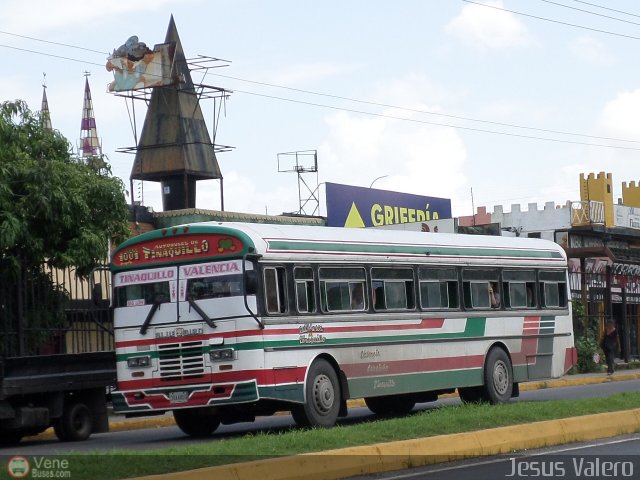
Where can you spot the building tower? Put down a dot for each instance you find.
(89, 144)
(175, 147)
(45, 115)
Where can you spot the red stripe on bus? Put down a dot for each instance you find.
(425, 323)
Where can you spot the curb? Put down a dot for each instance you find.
(384, 457)
(567, 381)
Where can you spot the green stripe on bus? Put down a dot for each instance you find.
(319, 247)
(415, 382)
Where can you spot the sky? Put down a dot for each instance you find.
(486, 103)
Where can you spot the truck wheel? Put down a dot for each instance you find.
(322, 393)
(498, 376)
(197, 422)
(75, 424)
(391, 404)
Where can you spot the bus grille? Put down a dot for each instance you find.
(180, 361)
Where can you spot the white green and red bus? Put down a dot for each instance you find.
(220, 322)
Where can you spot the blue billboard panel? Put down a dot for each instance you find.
(349, 206)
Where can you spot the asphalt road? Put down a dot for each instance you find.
(152, 438)
(617, 457)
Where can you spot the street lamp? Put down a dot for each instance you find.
(378, 178)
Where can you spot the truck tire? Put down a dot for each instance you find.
(197, 422)
(75, 424)
(322, 394)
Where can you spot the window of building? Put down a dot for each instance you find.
(438, 288)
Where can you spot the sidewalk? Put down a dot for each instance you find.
(118, 423)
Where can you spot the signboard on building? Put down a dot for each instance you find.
(358, 207)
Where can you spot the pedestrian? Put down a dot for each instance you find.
(609, 345)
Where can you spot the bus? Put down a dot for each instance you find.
(222, 322)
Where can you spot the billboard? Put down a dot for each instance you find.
(358, 207)
(135, 66)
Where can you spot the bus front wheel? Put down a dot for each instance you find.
(197, 422)
(498, 376)
(322, 394)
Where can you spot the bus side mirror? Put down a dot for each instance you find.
(250, 282)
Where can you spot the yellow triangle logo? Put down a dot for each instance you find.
(354, 220)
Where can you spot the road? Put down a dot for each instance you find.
(607, 458)
(152, 438)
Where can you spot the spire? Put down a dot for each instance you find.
(89, 145)
(45, 115)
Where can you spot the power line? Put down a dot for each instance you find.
(52, 43)
(426, 112)
(425, 122)
(551, 20)
(607, 8)
(52, 55)
(590, 13)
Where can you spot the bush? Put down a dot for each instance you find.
(587, 348)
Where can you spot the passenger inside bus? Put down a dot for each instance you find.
(494, 295)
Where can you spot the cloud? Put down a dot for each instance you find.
(620, 117)
(413, 158)
(591, 51)
(488, 28)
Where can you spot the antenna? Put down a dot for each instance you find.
(302, 162)
(473, 209)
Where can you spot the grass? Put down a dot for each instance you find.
(118, 464)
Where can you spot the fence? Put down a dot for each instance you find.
(49, 311)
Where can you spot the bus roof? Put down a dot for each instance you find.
(280, 242)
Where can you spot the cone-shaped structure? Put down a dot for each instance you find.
(175, 147)
(89, 145)
(45, 115)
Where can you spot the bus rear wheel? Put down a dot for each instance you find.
(498, 376)
(322, 397)
(197, 422)
(391, 404)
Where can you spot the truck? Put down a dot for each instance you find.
(57, 360)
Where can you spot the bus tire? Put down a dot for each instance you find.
(75, 424)
(322, 393)
(197, 422)
(391, 404)
(471, 394)
(498, 376)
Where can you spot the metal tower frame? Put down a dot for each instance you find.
(305, 163)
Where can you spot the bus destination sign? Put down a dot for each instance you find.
(184, 247)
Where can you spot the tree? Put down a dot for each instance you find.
(54, 209)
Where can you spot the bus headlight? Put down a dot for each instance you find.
(221, 354)
(137, 362)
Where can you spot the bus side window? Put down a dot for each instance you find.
(519, 287)
(393, 288)
(305, 293)
(342, 289)
(275, 290)
(438, 288)
(476, 285)
(553, 289)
